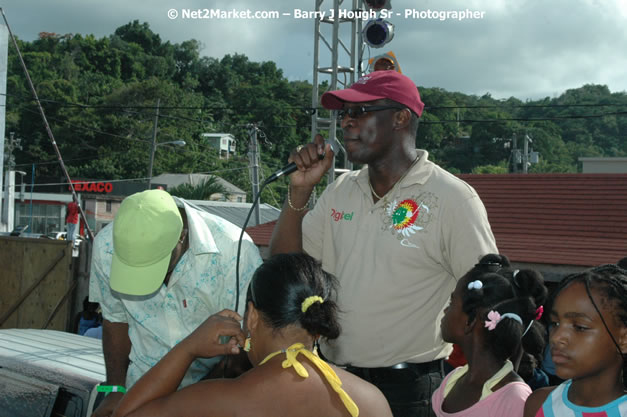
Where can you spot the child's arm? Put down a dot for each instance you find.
(535, 400)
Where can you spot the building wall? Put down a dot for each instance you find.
(604, 165)
(42, 217)
(45, 215)
(225, 143)
(100, 211)
(235, 198)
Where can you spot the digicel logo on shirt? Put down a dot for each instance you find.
(339, 215)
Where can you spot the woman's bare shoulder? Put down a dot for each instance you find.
(369, 399)
(272, 381)
(276, 391)
(245, 395)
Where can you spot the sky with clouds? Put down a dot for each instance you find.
(528, 49)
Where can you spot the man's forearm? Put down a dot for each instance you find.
(288, 233)
(161, 380)
(116, 347)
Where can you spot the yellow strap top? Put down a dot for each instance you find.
(487, 386)
(324, 367)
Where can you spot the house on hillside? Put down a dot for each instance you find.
(223, 142)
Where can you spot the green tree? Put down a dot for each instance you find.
(99, 95)
(501, 168)
(202, 191)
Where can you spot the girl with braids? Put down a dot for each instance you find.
(290, 304)
(588, 337)
(491, 311)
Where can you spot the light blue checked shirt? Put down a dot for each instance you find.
(202, 283)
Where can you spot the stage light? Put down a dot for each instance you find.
(386, 61)
(378, 4)
(378, 32)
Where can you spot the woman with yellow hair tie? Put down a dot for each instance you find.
(290, 304)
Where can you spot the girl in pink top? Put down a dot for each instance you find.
(588, 336)
(491, 310)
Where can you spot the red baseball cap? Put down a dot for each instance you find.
(375, 86)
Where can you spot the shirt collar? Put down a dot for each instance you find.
(419, 173)
(200, 237)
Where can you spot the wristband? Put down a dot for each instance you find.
(111, 388)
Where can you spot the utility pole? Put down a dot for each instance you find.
(153, 147)
(515, 154)
(4, 50)
(253, 156)
(525, 158)
(8, 204)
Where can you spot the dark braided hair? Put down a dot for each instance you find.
(610, 281)
(506, 291)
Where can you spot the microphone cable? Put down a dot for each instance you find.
(239, 243)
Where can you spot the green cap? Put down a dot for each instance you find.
(146, 230)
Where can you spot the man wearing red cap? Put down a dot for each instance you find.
(398, 234)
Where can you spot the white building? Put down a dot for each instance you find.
(223, 142)
(603, 165)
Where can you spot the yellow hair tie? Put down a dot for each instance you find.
(309, 301)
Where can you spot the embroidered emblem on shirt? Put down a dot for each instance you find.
(409, 216)
(404, 216)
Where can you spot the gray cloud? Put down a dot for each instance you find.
(521, 48)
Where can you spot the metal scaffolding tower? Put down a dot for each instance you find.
(348, 51)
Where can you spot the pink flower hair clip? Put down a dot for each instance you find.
(493, 319)
(539, 312)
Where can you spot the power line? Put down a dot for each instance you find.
(91, 129)
(65, 122)
(308, 108)
(132, 139)
(149, 107)
(526, 119)
(56, 162)
(130, 179)
(109, 154)
(523, 106)
(520, 119)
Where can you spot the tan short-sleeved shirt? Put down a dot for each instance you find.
(397, 261)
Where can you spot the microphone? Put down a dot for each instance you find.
(286, 170)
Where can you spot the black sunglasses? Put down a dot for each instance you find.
(356, 112)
